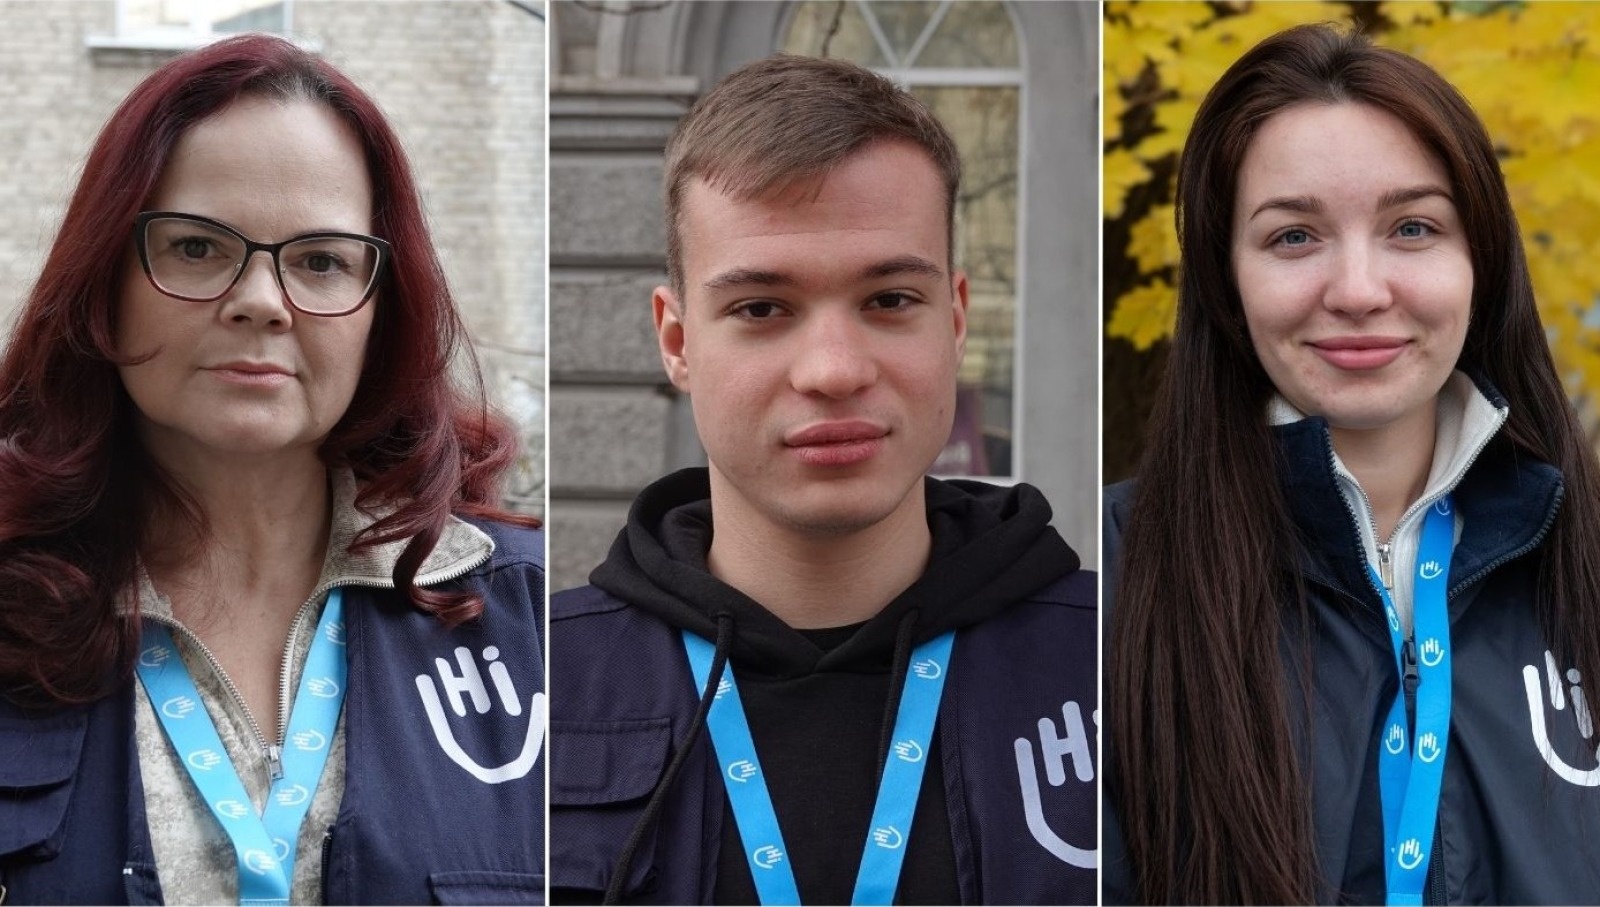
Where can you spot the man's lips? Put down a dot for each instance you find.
(1360, 352)
(839, 443)
(841, 432)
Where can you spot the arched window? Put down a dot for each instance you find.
(960, 57)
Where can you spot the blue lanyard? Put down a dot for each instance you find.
(264, 844)
(1410, 779)
(884, 852)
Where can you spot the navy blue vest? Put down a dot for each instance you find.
(447, 810)
(1017, 731)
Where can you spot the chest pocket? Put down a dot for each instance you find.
(601, 776)
(38, 759)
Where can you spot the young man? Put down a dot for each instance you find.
(808, 673)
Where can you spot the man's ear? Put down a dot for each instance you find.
(958, 287)
(669, 336)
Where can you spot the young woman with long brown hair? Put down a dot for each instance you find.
(246, 516)
(1353, 590)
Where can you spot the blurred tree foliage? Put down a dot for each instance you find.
(1531, 70)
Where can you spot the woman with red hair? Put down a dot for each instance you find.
(252, 571)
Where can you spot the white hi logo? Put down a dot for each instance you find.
(1055, 750)
(470, 683)
(1558, 701)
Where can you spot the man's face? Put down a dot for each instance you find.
(819, 335)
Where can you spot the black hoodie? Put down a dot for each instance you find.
(821, 703)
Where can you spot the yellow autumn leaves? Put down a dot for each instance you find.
(1531, 70)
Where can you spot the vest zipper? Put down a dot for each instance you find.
(327, 848)
(274, 750)
(1435, 893)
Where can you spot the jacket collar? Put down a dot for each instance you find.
(1506, 501)
(461, 547)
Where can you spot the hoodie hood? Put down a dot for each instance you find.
(992, 547)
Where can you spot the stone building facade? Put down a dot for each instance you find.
(462, 82)
(622, 75)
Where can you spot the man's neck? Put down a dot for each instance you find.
(814, 581)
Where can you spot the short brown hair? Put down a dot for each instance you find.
(788, 118)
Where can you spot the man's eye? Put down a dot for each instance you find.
(758, 310)
(892, 302)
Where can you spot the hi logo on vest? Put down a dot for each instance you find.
(1559, 697)
(742, 771)
(1430, 570)
(468, 685)
(1055, 750)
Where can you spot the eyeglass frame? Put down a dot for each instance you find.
(141, 224)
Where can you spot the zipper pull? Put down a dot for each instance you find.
(275, 762)
(1385, 566)
(1408, 657)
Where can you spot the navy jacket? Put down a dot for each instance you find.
(416, 824)
(1520, 803)
(1017, 732)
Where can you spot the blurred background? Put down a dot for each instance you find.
(1016, 84)
(1531, 70)
(461, 81)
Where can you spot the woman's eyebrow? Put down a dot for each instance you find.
(1299, 204)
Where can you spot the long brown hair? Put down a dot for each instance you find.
(1206, 576)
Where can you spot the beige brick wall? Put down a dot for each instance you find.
(462, 81)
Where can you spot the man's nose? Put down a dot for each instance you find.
(836, 358)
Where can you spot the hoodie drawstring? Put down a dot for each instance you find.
(899, 668)
(658, 797)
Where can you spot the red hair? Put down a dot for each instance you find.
(75, 483)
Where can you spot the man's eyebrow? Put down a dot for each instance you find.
(904, 264)
(756, 277)
(745, 277)
(1396, 197)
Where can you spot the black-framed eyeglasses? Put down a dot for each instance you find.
(198, 259)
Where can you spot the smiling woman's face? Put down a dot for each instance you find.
(247, 374)
(1352, 265)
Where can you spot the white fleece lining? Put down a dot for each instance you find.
(1464, 422)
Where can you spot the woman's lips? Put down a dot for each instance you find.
(841, 443)
(249, 374)
(1359, 353)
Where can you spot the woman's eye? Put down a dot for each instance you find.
(193, 248)
(1413, 230)
(321, 264)
(1295, 238)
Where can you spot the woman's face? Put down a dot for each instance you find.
(248, 374)
(1352, 265)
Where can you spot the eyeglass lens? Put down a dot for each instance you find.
(195, 260)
